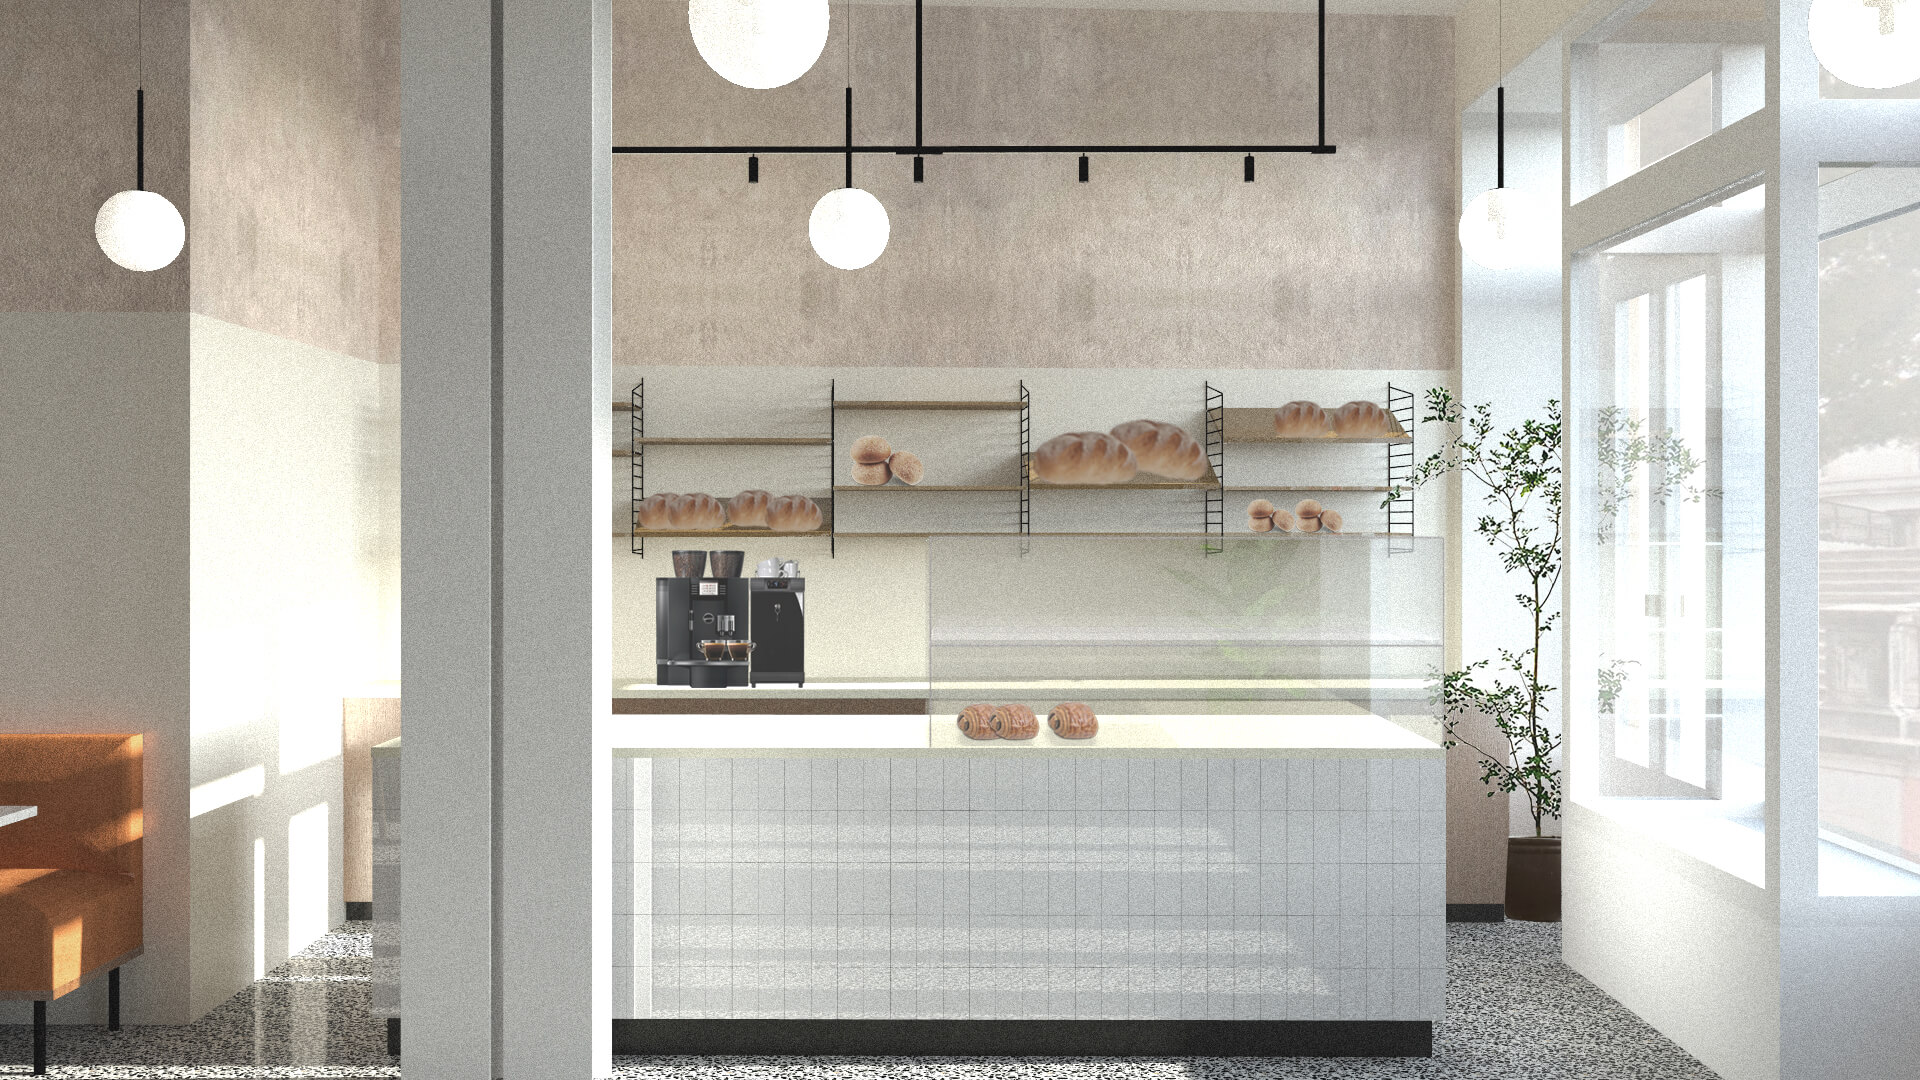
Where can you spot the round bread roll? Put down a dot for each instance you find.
(1163, 449)
(793, 513)
(907, 468)
(872, 475)
(1259, 524)
(1084, 457)
(976, 722)
(1307, 508)
(1073, 720)
(1260, 508)
(1363, 420)
(1014, 722)
(1309, 525)
(1301, 420)
(696, 512)
(1331, 520)
(749, 508)
(871, 450)
(653, 512)
(1283, 521)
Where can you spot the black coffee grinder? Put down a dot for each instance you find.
(700, 624)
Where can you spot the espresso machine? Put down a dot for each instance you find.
(700, 631)
(779, 629)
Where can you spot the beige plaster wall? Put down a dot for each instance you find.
(296, 131)
(1328, 262)
(68, 72)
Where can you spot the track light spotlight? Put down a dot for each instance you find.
(919, 169)
(1083, 168)
(1249, 169)
(753, 169)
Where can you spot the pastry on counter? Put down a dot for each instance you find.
(653, 512)
(1364, 420)
(1084, 457)
(695, 512)
(1301, 420)
(1163, 449)
(1014, 722)
(749, 508)
(793, 513)
(871, 450)
(1330, 520)
(976, 722)
(1073, 720)
(906, 467)
(872, 475)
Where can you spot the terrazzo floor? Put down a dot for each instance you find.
(1513, 1013)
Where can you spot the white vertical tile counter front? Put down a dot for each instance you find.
(1256, 884)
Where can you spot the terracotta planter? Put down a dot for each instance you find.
(1533, 878)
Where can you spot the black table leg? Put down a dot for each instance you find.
(113, 1000)
(39, 1038)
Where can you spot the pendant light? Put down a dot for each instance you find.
(140, 229)
(1869, 43)
(848, 226)
(1502, 226)
(759, 44)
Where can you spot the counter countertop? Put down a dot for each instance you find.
(1350, 735)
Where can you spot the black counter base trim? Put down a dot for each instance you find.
(1028, 1038)
(1476, 913)
(359, 911)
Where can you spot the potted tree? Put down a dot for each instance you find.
(1519, 472)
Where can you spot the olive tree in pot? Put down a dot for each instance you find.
(1519, 472)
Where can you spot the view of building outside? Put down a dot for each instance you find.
(1870, 514)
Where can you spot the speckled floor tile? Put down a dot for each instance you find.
(1513, 1013)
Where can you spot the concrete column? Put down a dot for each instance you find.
(449, 489)
(556, 527)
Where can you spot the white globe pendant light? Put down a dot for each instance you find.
(849, 228)
(1502, 228)
(759, 44)
(1869, 43)
(140, 230)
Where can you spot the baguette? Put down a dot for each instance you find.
(793, 514)
(749, 508)
(1084, 457)
(1301, 420)
(1163, 449)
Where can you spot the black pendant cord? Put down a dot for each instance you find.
(140, 139)
(1322, 140)
(1500, 136)
(849, 136)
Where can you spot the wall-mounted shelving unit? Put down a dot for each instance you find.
(1023, 405)
(1254, 426)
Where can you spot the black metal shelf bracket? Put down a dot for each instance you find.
(1400, 462)
(833, 451)
(1026, 460)
(637, 460)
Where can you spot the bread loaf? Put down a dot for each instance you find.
(749, 508)
(872, 475)
(1330, 520)
(1259, 524)
(793, 513)
(1072, 720)
(1163, 449)
(696, 512)
(871, 450)
(1307, 508)
(976, 722)
(1084, 457)
(1260, 508)
(906, 467)
(1309, 525)
(653, 512)
(1301, 420)
(1283, 521)
(1364, 420)
(1014, 722)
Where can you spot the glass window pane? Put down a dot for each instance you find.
(1870, 531)
(1651, 83)
(1667, 527)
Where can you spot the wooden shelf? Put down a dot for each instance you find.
(1143, 482)
(898, 488)
(742, 531)
(1256, 426)
(932, 406)
(1307, 487)
(773, 440)
(916, 535)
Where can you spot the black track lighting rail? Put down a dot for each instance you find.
(920, 149)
